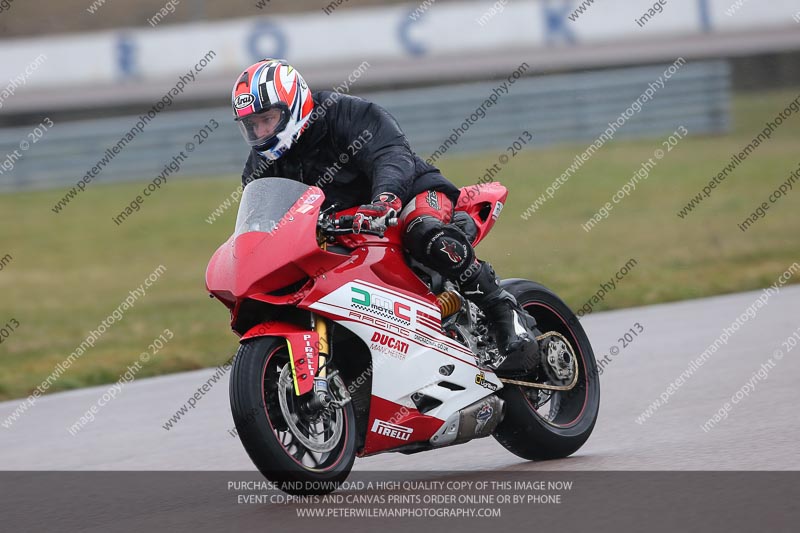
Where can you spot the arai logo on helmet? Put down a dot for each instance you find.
(243, 100)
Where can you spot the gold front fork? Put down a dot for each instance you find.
(321, 327)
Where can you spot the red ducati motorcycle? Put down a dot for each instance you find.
(349, 348)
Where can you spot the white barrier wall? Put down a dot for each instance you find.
(392, 35)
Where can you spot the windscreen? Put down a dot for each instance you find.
(265, 201)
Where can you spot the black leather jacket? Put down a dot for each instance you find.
(353, 150)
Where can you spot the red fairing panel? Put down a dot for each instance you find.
(261, 262)
(476, 198)
(384, 266)
(392, 425)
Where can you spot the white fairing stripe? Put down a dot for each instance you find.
(397, 374)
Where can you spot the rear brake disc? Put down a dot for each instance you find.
(561, 362)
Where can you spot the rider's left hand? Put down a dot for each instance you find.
(383, 207)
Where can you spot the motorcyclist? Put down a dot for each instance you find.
(357, 154)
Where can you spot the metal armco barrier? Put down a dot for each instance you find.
(566, 108)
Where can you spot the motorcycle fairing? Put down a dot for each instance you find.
(249, 264)
(411, 357)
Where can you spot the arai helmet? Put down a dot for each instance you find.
(272, 104)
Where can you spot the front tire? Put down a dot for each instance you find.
(528, 432)
(276, 446)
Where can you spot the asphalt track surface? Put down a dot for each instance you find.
(760, 432)
(672, 489)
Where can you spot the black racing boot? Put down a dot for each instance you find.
(514, 329)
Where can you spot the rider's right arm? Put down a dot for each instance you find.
(375, 143)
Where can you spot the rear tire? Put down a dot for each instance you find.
(269, 441)
(524, 431)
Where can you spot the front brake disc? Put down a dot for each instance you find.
(320, 444)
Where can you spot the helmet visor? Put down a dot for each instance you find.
(259, 128)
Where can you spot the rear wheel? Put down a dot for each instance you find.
(305, 450)
(543, 424)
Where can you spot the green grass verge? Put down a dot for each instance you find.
(70, 271)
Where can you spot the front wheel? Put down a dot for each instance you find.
(303, 450)
(542, 424)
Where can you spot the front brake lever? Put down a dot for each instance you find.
(331, 207)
